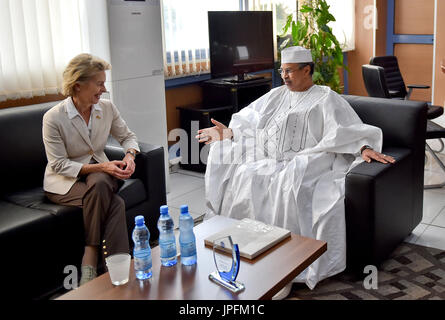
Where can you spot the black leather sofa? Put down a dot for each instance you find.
(384, 202)
(38, 239)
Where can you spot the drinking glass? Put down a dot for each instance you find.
(119, 268)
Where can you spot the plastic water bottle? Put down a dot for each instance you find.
(187, 240)
(167, 241)
(142, 251)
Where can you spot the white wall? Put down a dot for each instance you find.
(97, 25)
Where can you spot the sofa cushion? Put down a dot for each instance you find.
(36, 240)
(133, 192)
(35, 199)
(14, 218)
(21, 133)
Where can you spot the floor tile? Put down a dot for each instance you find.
(439, 221)
(435, 145)
(433, 172)
(181, 184)
(417, 232)
(192, 173)
(194, 199)
(433, 203)
(175, 213)
(433, 237)
(434, 177)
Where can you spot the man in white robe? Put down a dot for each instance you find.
(284, 158)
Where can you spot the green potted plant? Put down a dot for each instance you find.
(311, 31)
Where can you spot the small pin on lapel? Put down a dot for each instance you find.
(97, 117)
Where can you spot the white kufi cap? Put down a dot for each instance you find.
(296, 54)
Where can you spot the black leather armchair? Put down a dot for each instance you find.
(39, 238)
(384, 202)
(375, 82)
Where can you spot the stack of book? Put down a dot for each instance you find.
(253, 237)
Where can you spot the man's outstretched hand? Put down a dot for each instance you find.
(215, 133)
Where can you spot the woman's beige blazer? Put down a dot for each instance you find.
(68, 145)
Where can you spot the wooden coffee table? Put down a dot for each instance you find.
(263, 276)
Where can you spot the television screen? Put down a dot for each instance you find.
(240, 42)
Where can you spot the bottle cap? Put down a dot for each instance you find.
(164, 209)
(139, 220)
(184, 209)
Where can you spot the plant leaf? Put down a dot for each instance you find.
(288, 23)
(306, 9)
(284, 44)
(294, 31)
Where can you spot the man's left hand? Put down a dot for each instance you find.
(368, 155)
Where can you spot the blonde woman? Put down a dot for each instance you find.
(78, 172)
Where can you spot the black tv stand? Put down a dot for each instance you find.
(220, 92)
(243, 80)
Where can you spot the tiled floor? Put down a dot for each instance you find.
(431, 231)
(187, 187)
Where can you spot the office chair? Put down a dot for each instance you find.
(394, 79)
(375, 83)
(376, 86)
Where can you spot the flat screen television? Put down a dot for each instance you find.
(240, 42)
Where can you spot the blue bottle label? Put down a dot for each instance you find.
(142, 261)
(168, 249)
(188, 249)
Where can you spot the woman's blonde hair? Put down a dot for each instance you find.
(80, 69)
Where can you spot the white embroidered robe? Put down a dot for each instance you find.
(286, 166)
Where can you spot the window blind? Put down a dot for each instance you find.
(186, 36)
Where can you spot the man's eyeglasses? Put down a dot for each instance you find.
(285, 71)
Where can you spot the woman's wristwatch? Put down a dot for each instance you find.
(132, 153)
(364, 148)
